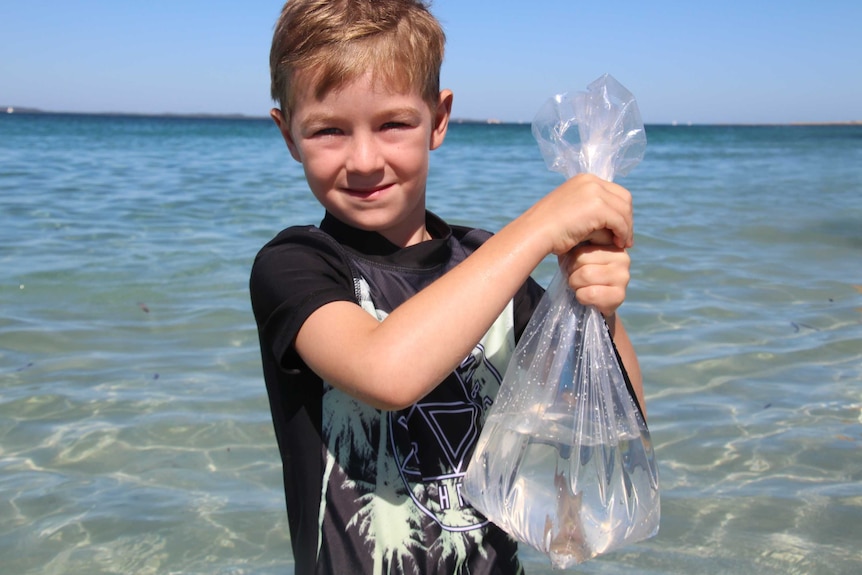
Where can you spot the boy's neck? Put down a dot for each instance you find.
(403, 240)
(434, 228)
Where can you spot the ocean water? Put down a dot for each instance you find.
(134, 428)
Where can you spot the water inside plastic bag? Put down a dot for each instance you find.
(551, 498)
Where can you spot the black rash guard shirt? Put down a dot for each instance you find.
(372, 491)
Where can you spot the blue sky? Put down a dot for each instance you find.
(685, 61)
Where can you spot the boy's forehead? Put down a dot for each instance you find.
(308, 84)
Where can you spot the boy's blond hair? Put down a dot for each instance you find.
(336, 41)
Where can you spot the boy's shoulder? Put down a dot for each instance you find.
(301, 238)
(296, 248)
(298, 234)
(469, 237)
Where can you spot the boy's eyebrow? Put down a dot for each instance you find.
(316, 118)
(401, 111)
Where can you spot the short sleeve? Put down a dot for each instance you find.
(295, 274)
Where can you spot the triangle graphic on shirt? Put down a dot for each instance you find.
(459, 423)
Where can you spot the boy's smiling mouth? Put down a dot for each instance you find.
(367, 192)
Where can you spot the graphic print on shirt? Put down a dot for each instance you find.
(403, 470)
(434, 439)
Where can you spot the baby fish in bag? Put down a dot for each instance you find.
(565, 462)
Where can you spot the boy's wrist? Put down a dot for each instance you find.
(534, 232)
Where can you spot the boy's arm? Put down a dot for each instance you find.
(394, 363)
(629, 358)
(598, 274)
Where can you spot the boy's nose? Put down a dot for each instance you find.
(365, 156)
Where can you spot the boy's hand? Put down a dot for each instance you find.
(598, 273)
(580, 208)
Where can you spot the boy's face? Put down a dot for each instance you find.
(365, 152)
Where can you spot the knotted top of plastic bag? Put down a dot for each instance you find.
(598, 132)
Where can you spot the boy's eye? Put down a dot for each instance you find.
(394, 125)
(327, 132)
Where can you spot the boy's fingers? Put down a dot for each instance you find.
(601, 238)
(607, 299)
(620, 201)
(599, 257)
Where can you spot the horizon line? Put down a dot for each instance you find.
(11, 110)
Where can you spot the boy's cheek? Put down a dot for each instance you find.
(294, 152)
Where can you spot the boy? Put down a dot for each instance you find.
(384, 332)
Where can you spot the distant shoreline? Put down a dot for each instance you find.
(36, 111)
(10, 110)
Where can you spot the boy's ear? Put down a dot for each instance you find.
(284, 127)
(441, 118)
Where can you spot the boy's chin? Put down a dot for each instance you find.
(397, 227)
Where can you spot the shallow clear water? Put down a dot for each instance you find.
(134, 429)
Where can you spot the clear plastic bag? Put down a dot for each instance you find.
(565, 462)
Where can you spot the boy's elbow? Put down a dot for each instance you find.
(392, 397)
(388, 390)
(385, 404)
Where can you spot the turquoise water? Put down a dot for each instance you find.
(134, 428)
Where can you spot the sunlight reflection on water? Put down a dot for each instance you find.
(134, 427)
